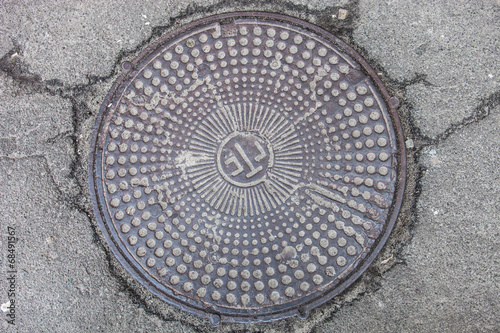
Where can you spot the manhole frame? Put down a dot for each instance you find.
(282, 311)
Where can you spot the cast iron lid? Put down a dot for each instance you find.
(247, 167)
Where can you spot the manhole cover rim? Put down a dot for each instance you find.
(215, 314)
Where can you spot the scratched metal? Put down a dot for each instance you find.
(247, 167)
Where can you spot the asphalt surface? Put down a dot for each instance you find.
(439, 270)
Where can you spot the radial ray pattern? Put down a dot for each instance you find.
(251, 180)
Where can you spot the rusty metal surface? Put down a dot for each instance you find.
(247, 167)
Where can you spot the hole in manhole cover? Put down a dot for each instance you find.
(247, 167)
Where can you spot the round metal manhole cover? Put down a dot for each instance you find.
(247, 167)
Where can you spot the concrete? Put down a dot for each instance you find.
(439, 270)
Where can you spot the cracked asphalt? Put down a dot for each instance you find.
(439, 270)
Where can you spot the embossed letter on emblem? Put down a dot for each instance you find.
(243, 159)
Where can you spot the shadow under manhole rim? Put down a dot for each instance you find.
(247, 167)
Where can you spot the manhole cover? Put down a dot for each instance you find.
(247, 167)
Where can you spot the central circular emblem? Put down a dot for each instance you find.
(247, 167)
(247, 158)
(244, 158)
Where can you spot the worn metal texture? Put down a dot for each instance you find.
(247, 167)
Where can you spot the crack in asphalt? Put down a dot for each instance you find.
(17, 157)
(481, 112)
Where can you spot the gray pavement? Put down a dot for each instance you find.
(439, 270)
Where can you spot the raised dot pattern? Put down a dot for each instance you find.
(314, 213)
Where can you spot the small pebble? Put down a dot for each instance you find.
(409, 144)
